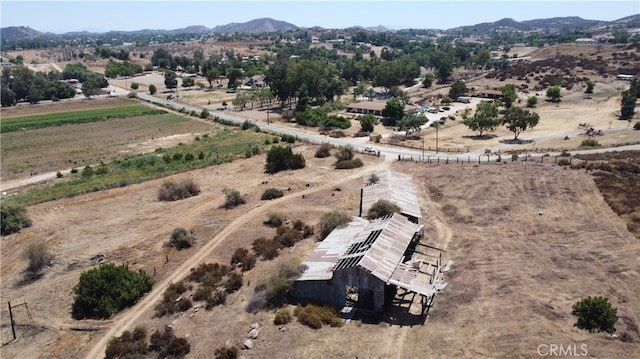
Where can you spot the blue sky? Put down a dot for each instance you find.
(100, 16)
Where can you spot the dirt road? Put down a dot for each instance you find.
(125, 321)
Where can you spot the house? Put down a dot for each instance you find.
(585, 41)
(394, 187)
(255, 81)
(373, 107)
(363, 265)
(490, 94)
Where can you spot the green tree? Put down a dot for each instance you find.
(7, 97)
(167, 344)
(411, 122)
(428, 80)
(393, 112)
(595, 313)
(367, 122)
(170, 79)
(134, 85)
(457, 89)
(518, 120)
(532, 101)
(628, 104)
(107, 289)
(553, 93)
(235, 78)
(211, 75)
(590, 86)
(233, 199)
(13, 217)
(509, 95)
(484, 119)
(620, 36)
(92, 86)
(152, 89)
(382, 208)
(344, 153)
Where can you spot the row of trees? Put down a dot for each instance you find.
(486, 119)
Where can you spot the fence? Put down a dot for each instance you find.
(487, 159)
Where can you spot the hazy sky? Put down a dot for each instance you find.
(101, 16)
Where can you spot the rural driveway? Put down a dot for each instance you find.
(130, 317)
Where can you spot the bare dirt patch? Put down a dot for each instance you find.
(535, 239)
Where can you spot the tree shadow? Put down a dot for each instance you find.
(486, 136)
(516, 142)
(28, 278)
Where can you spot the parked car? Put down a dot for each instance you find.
(369, 149)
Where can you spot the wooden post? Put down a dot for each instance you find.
(13, 327)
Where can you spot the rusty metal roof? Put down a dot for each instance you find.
(377, 246)
(394, 187)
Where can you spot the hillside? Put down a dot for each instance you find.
(257, 26)
(13, 33)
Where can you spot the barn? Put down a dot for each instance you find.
(394, 187)
(363, 265)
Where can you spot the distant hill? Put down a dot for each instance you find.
(555, 23)
(13, 33)
(256, 26)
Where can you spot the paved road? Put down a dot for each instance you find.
(389, 153)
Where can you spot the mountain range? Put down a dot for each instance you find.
(265, 25)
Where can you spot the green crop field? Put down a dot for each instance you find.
(74, 117)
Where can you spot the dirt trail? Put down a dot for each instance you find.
(125, 321)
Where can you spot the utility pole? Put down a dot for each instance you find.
(423, 148)
(437, 126)
(268, 116)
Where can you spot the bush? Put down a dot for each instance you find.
(288, 138)
(170, 303)
(38, 256)
(205, 113)
(345, 153)
(242, 257)
(128, 345)
(280, 283)
(275, 219)
(382, 208)
(233, 199)
(208, 273)
(373, 179)
(107, 289)
(287, 236)
(152, 89)
(267, 249)
(589, 142)
(271, 193)
(355, 163)
(218, 298)
(595, 313)
(282, 158)
(168, 345)
(172, 191)
(330, 221)
(283, 316)
(247, 125)
(636, 126)
(564, 162)
(233, 283)
(227, 352)
(203, 293)
(59, 174)
(180, 239)
(13, 217)
(314, 316)
(323, 151)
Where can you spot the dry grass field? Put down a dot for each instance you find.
(527, 240)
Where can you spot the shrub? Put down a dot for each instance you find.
(373, 179)
(230, 352)
(287, 236)
(38, 256)
(275, 219)
(288, 138)
(180, 239)
(271, 193)
(74, 170)
(13, 217)
(345, 153)
(382, 208)
(330, 221)
(233, 283)
(107, 289)
(595, 313)
(589, 142)
(323, 151)
(170, 303)
(152, 89)
(59, 174)
(283, 316)
(172, 191)
(168, 345)
(247, 125)
(218, 298)
(314, 316)
(355, 163)
(636, 126)
(203, 293)
(208, 273)
(282, 158)
(564, 162)
(128, 345)
(280, 283)
(233, 199)
(87, 171)
(205, 113)
(242, 257)
(267, 249)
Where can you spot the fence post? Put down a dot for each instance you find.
(555, 160)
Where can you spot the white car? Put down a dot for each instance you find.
(369, 149)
